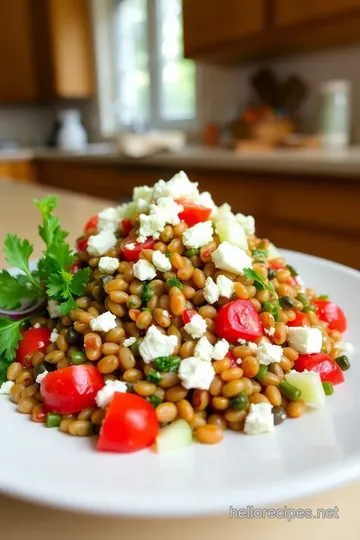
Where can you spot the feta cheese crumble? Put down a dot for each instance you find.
(305, 340)
(54, 335)
(108, 219)
(198, 235)
(270, 331)
(53, 309)
(130, 246)
(231, 258)
(41, 376)
(178, 187)
(196, 373)
(164, 212)
(156, 344)
(101, 243)
(37, 325)
(6, 387)
(196, 327)
(142, 196)
(220, 350)
(161, 262)
(144, 270)
(104, 322)
(203, 349)
(346, 347)
(260, 419)
(268, 353)
(105, 395)
(129, 341)
(225, 286)
(211, 291)
(108, 265)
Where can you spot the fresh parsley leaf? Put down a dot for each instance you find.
(292, 270)
(79, 281)
(67, 306)
(18, 252)
(3, 369)
(146, 293)
(260, 254)
(11, 291)
(56, 287)
(10, 336)
(50, 230)
(259, 280)
(273, 308)
(154, 376)
(154, 400)
(167, 363)
(175, 282)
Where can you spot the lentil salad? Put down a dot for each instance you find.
(172, 322)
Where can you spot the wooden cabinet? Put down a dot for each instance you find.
(17, 170)
(45, 50)
(293, 12)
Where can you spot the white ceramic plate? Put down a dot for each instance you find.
(318, 451)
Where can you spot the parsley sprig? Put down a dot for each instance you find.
(261, 283)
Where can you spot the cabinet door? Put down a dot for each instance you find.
(210, 23)
(17, 70)
(293, 12)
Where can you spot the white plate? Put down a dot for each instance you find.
(318, 451)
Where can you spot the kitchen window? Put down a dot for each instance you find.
(148, 83)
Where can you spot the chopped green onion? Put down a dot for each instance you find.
(135, 348)
(154, 376)
(343, 362)
(323, 297)
(239, 402)
(167, 363)
(175, 282)
(289, 391)
(262, 372)
(259, 254)
(53, 420)
(154, 400)
(146, 293)
(77, 357)
(292, 270)
(273, 308)
(168, 255)
(192, 252)
(302, 298)
(146, 309)
(328, 388)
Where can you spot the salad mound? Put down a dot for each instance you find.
(171, 322)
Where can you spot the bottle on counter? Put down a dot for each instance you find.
(335, 114)
(72, 134)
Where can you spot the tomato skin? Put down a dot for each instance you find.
(193, 213)
(34, 339)
(238, 319)
(82, 243)
(71, 389)
(233, 359)
(187, 315)
(91, 224)
(130, 424)
(132, 255)
(332, 314)
(126, 225)
(302, 319)
(321, 363)
(75, 267)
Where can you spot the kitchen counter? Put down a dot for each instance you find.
(283, 161)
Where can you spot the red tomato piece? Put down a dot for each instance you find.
(91, 224)
(71, 389)
(193, 213)
(321, 363)
(82, 243)
(277, 264)
(130, 424)
(187, 315)
(132, 255)
(233, 359)
(75, 267)
(332, 314)
(238, 319)
(126, 225)
(301, 319)
(33, 339)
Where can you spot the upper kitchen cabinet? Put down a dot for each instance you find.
(45, 50)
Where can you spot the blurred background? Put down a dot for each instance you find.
(258, 101)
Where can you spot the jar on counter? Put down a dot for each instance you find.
(72, 134)
(335, 114)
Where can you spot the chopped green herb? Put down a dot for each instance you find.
(343, 362)
(289, 391)
(260, 254)
(154, 376)
(146, 293)
(192, 252)
(167, 363)
(323, 297)
(174, 282)
(273, 308)
(146, 309)
(3, 369)
(10, 336)
(53, 420)
(168, 255)
(262, 372)
(259, 280)
(328, 388)
(154, 400)
(135, 348)
(239, 402)
(306, 305)
(292, 270)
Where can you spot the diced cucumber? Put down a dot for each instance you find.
(273, 252)
(131, 210)
(176, 436)
(309, 382)
(231, 231)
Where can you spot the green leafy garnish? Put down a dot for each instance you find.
(154, 376)
(259, 280)
(14, 290)
(306, 305)
(154, 400)
(261, 254)
(175, 282)
(146, 293)
(167, 363)
(10, 336)
(17, 253)
(3, 369)
(273, 308)
(50, 230)
(192, 252)
(292, 270)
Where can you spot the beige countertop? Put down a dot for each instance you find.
(19, 520)
(310, 162)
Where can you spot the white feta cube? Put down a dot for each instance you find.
(144, 270)
(105, 395)
(211, 291)
(53, 309)
(196, 327)
(231, 258)
(130, 246)
(178, 187)
(156, 344)
(129, 341)
(150, 226)
(108, 265)
(304, 339)
(108, 219)
(6, 387)
(225, 286)
(220, 350)
(41, 376)
(142, 196)
(260, 419)
(100, 243)
(161, 262)
(203, 349)
(104, 322)
(198, 235)
(346, 347)
(268, 353)
(54, 335)
(196, 373)
(248, 222)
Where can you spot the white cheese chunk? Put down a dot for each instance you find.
(53, 309)
(101, 243)
(41, 376)
(37, 325)
(203, 349)
(129, 341)
(270, 331)
(165, 212)
(156, 344)
(211, 291)
(225, 286)
(248, 222)
(108, 219)
(259, 419)
(130, 246)
(5, 387)
(304, 339)
(54, 335)
(161, 262)
(196, 327)
(220, 350)
(178, 187)
(205, 199)
(144, 270)
(142, 196)
(104, 322)
(268, 353)
(108, 265)
(105, 395)
(196, 373)
(198, 235)
(231, 258)
(346, 347)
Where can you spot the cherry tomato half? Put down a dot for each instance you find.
(130, 424)
(321, 363)
(82, 243)
(126, 226)
(71, 389)
(91, 224)
(33, 339)
(193, 213)
(301, 319)
(332, 314)
(187, 315)
(132, 255)
(238, 319)
(75, 267)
